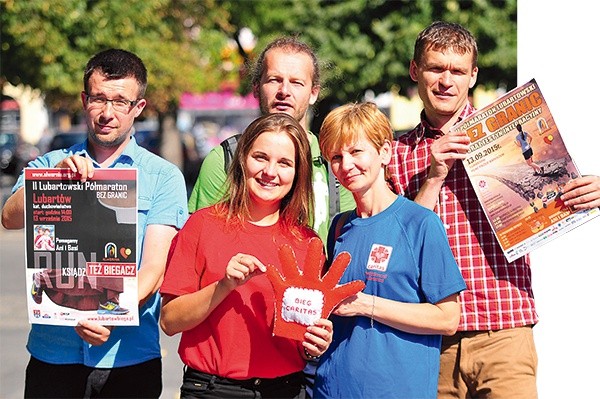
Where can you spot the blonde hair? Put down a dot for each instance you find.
(344, 124)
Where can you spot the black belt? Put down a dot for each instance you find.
(255, 383)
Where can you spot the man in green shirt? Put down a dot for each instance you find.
(286, 79)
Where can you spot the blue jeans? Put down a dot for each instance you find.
(197, 384)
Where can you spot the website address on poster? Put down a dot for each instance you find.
(50, 174)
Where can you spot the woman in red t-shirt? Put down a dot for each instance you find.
(215, 291)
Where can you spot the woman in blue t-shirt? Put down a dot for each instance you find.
(387, 338)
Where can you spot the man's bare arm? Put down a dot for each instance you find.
(157, 242)
(13, 212)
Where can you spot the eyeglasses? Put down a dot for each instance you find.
(118, 105)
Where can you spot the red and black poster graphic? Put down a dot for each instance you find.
(81, 246)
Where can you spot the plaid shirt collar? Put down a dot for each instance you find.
(424, 129)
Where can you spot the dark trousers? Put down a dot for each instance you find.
(45, 380)
(197, 384)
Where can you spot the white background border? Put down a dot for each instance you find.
(558, 45)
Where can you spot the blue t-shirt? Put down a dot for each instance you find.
(161, 200)
(402, 254)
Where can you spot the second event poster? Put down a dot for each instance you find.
(518, 165)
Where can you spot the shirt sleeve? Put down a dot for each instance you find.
(48, 160)
(181, 274)
(169, 203)
(210, 185)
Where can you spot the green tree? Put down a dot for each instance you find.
(368, 44)
(46, 43)
(187, 44)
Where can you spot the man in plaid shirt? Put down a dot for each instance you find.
(493, 353)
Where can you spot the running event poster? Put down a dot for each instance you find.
(518, 164)
(81, 247)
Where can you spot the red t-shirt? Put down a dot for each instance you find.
(236, 340)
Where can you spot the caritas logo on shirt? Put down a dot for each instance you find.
(379, 258)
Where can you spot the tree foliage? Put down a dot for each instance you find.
(368, 44)
(46, 43)
(187, 44)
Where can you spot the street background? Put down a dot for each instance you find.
(556, 44)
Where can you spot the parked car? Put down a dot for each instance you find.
(147, 135)
(67, 139)
(15, 153)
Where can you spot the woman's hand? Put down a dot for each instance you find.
(241, 268)
(360, 304)
(318, 337)
(184, 312)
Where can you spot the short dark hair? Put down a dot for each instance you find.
(442, 35)
(289, 44)
(117, 64)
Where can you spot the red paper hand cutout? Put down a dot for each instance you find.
(301, 298)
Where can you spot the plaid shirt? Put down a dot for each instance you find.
(498, 294)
